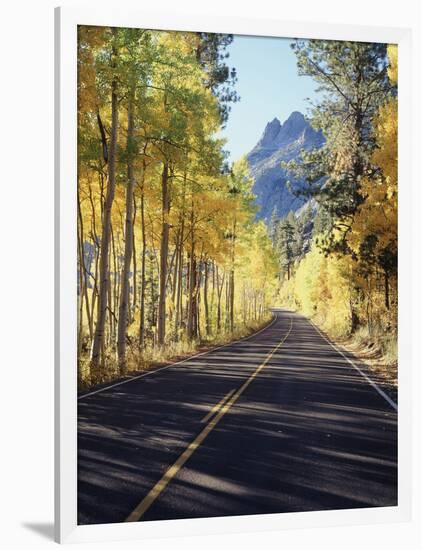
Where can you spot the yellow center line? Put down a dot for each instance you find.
(143, 506)
(216, 407)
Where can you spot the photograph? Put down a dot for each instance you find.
(237, 274)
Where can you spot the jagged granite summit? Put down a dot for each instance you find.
(280, 142)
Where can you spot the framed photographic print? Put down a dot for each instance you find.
(232, 275)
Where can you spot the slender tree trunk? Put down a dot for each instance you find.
(94, 237)
(386, 290)
(369, 306)
(206, 307)
(227, 304)
(109, 338)
(175, 269)
(95, 287)
(179, 272)
(231, 294)
(213, 288)
(219, 293)
(80, 296)
(170, 269)
(191, 332)
(124, 285)
(244, 304)
(179, 287)
(192, 281)
(232, 279)
(132, 309)
(144, 249)
(165, 229)
(197, 302)
(98, 342)
(115, 282)
(84, 274)
(249, 305)
(153, 297)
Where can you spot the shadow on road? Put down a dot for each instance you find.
(308, 434)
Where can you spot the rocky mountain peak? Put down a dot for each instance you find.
(280, 142)
(292, 128)
(271, 131)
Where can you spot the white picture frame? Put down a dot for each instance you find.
(66, 22)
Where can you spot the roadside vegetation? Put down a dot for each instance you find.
(170, 257)
(338, 257)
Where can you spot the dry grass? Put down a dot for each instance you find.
(152, 357)
(378, 351)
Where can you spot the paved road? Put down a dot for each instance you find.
(301, 430)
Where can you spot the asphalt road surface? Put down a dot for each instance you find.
(280, 422)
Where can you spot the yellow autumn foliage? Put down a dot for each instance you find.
(347, 293)
(320, 289)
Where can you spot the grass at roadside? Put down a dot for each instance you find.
(378, 350)
(151, 357)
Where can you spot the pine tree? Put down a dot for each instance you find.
(353, 82)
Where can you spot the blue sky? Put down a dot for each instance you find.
(268, 85)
